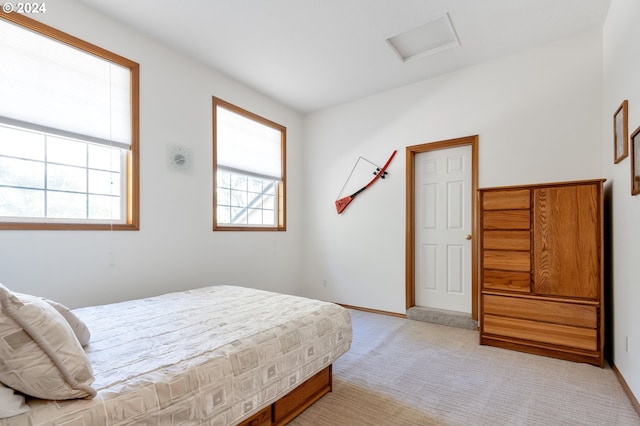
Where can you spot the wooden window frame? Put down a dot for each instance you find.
(281, 200)
(132, 221)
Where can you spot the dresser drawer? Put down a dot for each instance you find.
(507, 260)
(506, 219)
(555, 334)
(506, 199)
(506, 280)
(506, 240)
(541, 310)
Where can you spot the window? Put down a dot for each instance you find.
(68, 131)
(249, 170)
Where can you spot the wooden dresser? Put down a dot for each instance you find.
(541, 266)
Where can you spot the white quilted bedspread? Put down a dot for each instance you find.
(211, 356)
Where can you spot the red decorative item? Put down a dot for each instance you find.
(342, 203)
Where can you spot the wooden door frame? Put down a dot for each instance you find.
(411, 152)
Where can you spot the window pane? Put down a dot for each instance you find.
(22, 173)
(104, 207)
(268, 202)
(21, 144)
(64, 205)
(224, 197)
(66, 178)
(255, 200)
(270, 188)
(238, 198)
(223, 179)
(255, 216)
(238, 182)
(255, 185)
(105, 183)
(223, 214)
(105, 158)
(238, 215)
(15, 202)
(268, 217)
(66, 151)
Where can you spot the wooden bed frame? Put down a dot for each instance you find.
(295, 402)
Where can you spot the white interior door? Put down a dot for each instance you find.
(443, 209)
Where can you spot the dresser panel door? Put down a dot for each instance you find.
(566, 241)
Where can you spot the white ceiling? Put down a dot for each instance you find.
(313, 54)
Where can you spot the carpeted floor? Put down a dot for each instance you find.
(405, 372)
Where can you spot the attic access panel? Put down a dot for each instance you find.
(426, 39)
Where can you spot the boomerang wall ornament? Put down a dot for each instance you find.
(380, 172)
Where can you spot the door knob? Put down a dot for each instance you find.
(467, 237)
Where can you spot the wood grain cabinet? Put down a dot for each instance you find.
(541, 266)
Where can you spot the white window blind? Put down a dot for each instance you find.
(49, 86)
(247, 146)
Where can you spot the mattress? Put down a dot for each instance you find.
(210, 356)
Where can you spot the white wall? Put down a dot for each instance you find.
(538, 117)
(175, 247)
(622, 81)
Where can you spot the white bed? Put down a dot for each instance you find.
(218, 355)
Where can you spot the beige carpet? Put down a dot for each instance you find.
(405, 372)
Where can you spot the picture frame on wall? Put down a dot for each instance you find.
(620, 133)
(635, 162)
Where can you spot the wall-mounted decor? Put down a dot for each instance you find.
(635, 162)
(379, 173)
(620, 132)
(179, 159)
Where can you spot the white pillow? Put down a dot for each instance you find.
(11, 404)
(39, 353)
(79, 328)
